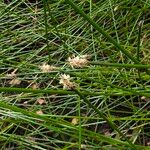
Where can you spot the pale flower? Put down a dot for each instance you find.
(15, 81)
(78, 61)
(39, 112)
(74, 121)
(65, 81)
(35, 86)
(12, 74)
(143, 98)
(47, 68)
(116, 8)
(41, 101)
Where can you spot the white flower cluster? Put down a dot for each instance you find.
(13, 76)
(47, 68)
(74, 62)
(65, 81)
(78, 61)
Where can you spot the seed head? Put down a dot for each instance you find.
(65, 81)
(15, 81)
(47, 68)
(78, 61)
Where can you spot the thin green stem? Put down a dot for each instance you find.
(46, 29)
(138, 66)
(98, 28)
(105, 34)
(64, 92)
(138, 45)
(48, 122)
(79, 115)
(139, 40)
(101, 115)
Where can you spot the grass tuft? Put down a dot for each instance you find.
(74, 74)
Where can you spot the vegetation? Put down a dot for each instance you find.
(74, 74)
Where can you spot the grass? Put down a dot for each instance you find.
(109, 106)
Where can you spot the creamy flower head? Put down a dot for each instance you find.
(75, 121)
(65, 81)
(39, 112)
(13, 76)
(78, 61)
(47, 68)
(15, 81)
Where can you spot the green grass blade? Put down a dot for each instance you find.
(111, 124)
(98, 28)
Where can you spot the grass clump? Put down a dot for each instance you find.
(74, 74)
